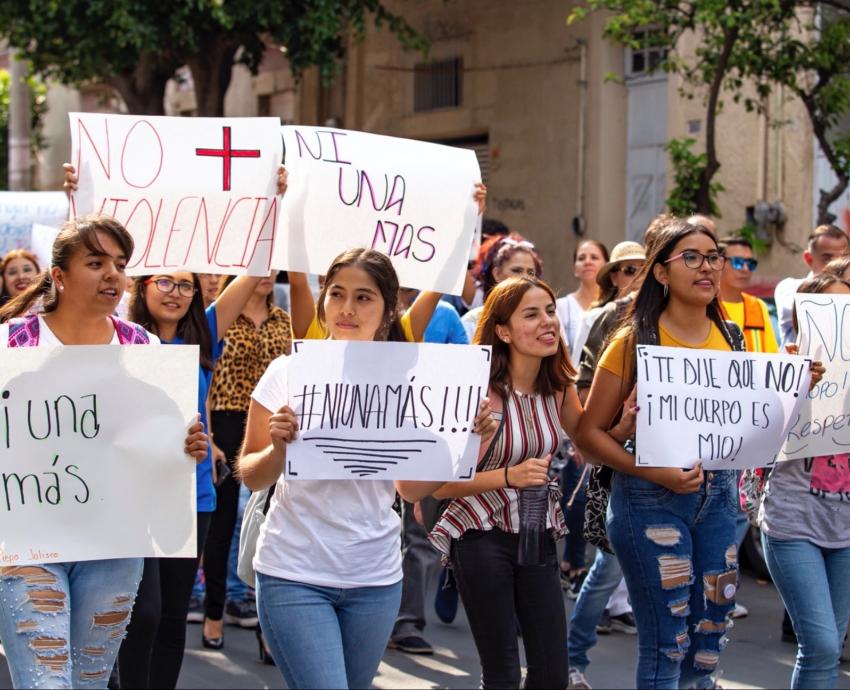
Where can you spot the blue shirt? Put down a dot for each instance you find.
(203, 472)
(445, 326)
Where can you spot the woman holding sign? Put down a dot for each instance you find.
(62, 623)
(673, 530)
(328, 559)
(805, 526)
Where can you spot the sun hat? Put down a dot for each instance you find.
(625, 251)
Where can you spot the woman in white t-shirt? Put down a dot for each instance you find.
(62, 623)
(328, 558)
(588, 258)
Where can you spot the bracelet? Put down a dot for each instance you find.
(507, 481)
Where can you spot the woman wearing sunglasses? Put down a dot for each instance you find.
(171, 305)
(748, 311)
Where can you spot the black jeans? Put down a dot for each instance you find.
(496, 592)
(229, 428)
(152, 653)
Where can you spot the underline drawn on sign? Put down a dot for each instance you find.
(363, 456)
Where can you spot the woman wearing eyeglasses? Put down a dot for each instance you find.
(673, 530)
(748, 311)
(171, 305)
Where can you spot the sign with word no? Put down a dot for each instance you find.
(91, 453)
(727, 410)
(822, 427)
(196, 193)
(411, 200)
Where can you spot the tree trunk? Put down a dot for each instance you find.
(212, 69)
(703, 201)
(827, 196)
(143, 88)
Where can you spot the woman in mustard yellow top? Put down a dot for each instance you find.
(673, 530)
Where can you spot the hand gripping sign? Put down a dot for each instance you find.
(196, 193)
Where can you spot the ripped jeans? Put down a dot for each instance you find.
(672, 549)
(62, 623)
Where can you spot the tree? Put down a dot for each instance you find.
(135, 46)
(38, 106)
(721, 34)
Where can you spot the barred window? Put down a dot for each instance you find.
(438, 84)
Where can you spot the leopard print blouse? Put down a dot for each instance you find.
(248, 351)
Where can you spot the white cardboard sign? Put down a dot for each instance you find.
(822, 427)
(196, 193)
(378, 410)
(411, 200)
(20, 210)
(91, 453)
(41, 242)
(727, 410)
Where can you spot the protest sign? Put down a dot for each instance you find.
(378, 410)
(196, 193)
(411, 200)
(91, 453)
(41, 242)
(822, 427)
(727, 410)
(20, 210)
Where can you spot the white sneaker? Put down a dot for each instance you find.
(577, 681)
(740, 611)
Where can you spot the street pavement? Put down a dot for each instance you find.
(755, 658)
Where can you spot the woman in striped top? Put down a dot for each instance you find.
(531, 384)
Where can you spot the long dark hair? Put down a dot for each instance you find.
(556, 371)
(640, 322)
(80, 233)
(193, 328)
(380, 269)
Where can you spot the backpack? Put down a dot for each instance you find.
(24, 332)
(598, 492)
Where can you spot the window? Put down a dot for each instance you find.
(645, 59)
(437, 84)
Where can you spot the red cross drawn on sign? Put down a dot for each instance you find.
(226, 153)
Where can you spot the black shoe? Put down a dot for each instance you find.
(413, 644)
(265, 656)
(624, 623)
(212, 642)
(604, 627)
(242, 613)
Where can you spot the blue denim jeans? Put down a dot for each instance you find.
(814, 584)
(236, 589)
(62, 623)
(673, 549)
(601, 581)
(574, 543)
(325, 637)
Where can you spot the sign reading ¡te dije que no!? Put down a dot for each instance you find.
(822, 426)
(378, 410)
(411, 200)
(196, 193)
(727, 410)
(91, 453)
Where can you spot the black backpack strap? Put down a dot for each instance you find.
(736, 336)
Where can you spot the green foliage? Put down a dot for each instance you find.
(38, 93)
(688, 171)
(751, 233)
(136, 45)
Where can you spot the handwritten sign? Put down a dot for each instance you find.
(373, 410)
(822, 427)
(91, 453)
(41, 242)
(20, 210)
(196, 193)
(409, 199)
(728, 410)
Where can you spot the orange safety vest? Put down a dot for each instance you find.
(754, 325)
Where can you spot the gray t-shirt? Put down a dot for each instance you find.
(809, 499)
